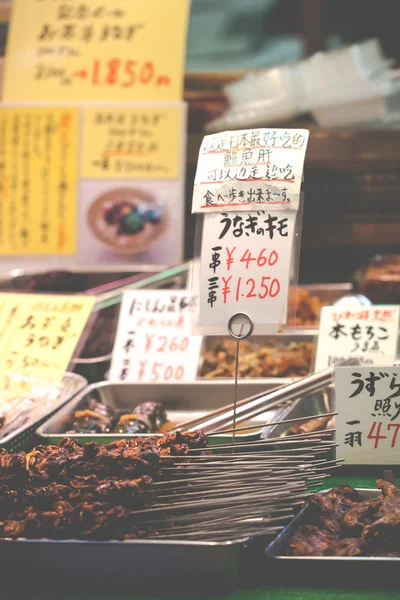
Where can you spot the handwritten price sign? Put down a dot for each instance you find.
(111, 50)
(40, 335)
(153, 342)
(368, 334)
(368, 421)
(244, 266)
(165, 357)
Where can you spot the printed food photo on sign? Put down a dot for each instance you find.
(127, 220)
(133, 221)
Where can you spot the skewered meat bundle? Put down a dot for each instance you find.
(341, 525)
(255, 360)
(83, 492)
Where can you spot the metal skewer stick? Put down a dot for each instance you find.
(246, 327)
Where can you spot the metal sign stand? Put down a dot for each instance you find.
(240, 327)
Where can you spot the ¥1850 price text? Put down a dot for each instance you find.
(113, 72)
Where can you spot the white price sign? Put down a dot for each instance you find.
(368, 420)
(152, 341)
(165, 357)
(245, 267)
(368, 334)
(242, 170)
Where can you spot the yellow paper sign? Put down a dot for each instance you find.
(131, 143)
(42, 337)
(38, 162)
(108, 50)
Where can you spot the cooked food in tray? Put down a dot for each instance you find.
(340, 524)
(293, 359)
(51, 281)
(96, 417)
(101, 338)
(311, 425)
(89, 492)
(304, 307)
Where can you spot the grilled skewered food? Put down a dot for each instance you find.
(70, 491)
(342, 525)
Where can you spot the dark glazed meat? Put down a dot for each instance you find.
(84, 492)
(339, 524)
(329, 509)
(310, 541)
(361, 515)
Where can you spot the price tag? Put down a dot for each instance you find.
(41, 336)
(244, 266)
(132, 143)
(369, 335)
(153, 338)
(164, 357)
(38, 164)
(112, 50)
(238, 170)
(368, 420)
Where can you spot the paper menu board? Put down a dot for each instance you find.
(94, 50)
(238, 170)
(153, 338)
(125, 142)
(38, 180)
(39, 335)
(368, 334)
(368, 419)
(244, 267)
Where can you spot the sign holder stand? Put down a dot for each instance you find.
(240, 327)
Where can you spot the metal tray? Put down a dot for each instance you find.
(138, 563)
(182, 401)
(21, 438)
(277, 549)
(311, 405)
(279, 340)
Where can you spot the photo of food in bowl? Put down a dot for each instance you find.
(127, 220)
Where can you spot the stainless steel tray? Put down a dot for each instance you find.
(310, 405)
(182, 401)
(143, 564)
(21, 438)
(277, 549)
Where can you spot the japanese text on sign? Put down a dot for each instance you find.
(370, 334)
(244, 266)
(164, 357)
(38, 155)
(239, 169)
(88, 50)
(42, 335)
(153, 339)
(139, 143)
(368, 421)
